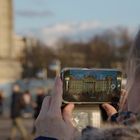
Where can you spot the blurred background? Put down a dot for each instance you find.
(40, 37)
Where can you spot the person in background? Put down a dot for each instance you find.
(129, 112)
(1, 102)
(53, 124)
(17, 104)
(38, 103)
(28, 103)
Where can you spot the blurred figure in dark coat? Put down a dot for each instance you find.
(17, 104)
(28, 104)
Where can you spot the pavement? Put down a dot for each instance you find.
(5, 127)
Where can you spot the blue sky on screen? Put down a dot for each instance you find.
(53, 19)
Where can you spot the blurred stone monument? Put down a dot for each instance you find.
(10, 68)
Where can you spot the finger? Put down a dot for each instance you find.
(45, 106)
(56, 99)
(67, 113)
(122, 99)
(110, 110)
(122, 96)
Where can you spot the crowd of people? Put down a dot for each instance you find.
(22, 105)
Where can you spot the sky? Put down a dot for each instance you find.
(53, 19)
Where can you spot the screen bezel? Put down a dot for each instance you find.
(85, 69)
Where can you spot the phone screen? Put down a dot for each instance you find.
(91, 85)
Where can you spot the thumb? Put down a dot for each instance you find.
(67, 113)
(110, 110)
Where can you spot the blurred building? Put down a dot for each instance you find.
(22, 44)
(18, 47)
(10, 69)
(11, 46)
(6, 28)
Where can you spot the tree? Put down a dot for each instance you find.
(38, 58)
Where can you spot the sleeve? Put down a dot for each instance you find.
(125, 118)
(44, 138)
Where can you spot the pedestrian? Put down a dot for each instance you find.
(28, 103)
(17, 104)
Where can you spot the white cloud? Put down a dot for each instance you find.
(82, 30)
(51, 34)
(69, 28)
(73, 30)
(89, 25)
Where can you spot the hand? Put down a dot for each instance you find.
(110, 110)
(123, 101)
(53, 123)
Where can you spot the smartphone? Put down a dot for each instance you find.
(91, 86)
